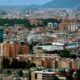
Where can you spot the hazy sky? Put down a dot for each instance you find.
(22, 2)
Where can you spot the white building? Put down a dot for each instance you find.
(73, 26)
(50, 24)
(59, 46)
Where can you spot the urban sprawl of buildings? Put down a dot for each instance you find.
(51, 46)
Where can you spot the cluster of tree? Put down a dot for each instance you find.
(45, 21)
(26, 22)
(73, 75)
(63, 53)
(17, 64)
(18, 74)
(11, 22)
(77, 76)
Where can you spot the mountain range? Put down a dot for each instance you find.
(63, 4)
(59, 4)
(75, 4)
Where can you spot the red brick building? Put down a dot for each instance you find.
(36, 22)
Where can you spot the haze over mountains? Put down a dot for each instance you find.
(59, 4)
(63, 4)
(56, 4)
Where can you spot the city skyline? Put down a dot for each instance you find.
(23, 2)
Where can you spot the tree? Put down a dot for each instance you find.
(14, 64)
(77, 76)
(20, 73)
(65, 53)
(24, 64)
(45, 21)
(73, 56)
(11, 22)
(32, 65)
(6, 62)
